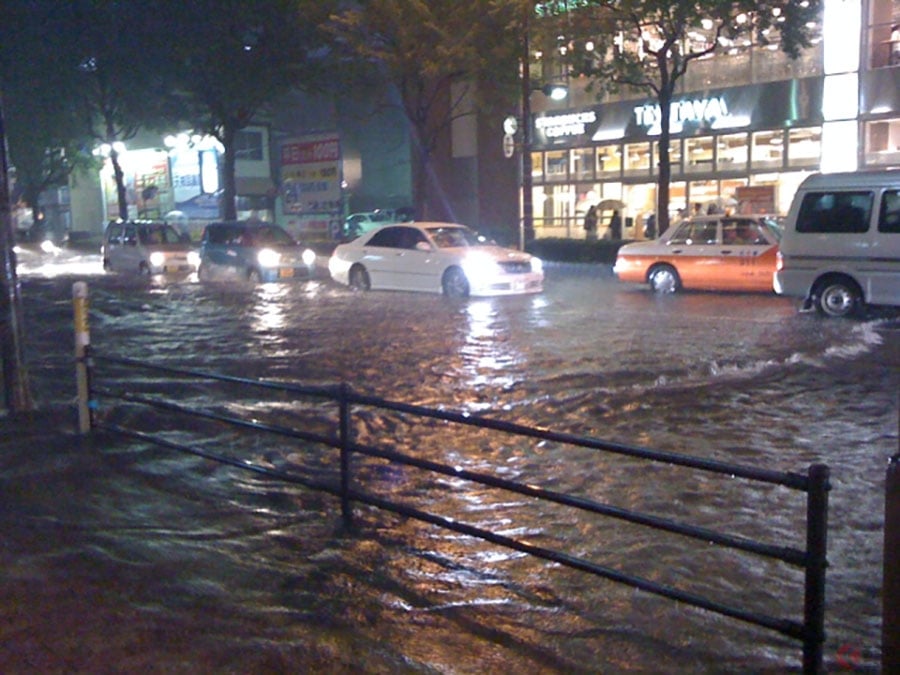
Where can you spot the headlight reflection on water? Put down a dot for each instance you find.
(268, 314)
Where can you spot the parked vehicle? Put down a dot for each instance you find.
(841, 246)
(254, 251)
(713, 253)
(434, 257)
(359, 223)
(147, 247)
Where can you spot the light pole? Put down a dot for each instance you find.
(527, 187)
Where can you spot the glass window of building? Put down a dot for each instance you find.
(556, 165)
(698, 154)
(609, 161)
(674, 156)
(582, 167)
(248, 145)
(804, 147)
(884, 33)
(767, 149)
(537, 166)
(733, 152)
(637, 159)
(882, 140)
(703, 194)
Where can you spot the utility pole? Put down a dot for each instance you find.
(527, 186)
(16, 393)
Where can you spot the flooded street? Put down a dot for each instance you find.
(231, 572)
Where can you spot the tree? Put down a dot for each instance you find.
(233, 58)
(46, 139)
(648, 45)
(119, 58)
(440, 60)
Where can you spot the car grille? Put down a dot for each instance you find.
(516, 267)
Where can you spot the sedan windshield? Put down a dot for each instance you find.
(453, 237)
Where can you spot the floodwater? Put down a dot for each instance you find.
(224, 569)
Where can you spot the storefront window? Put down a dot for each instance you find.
(804, 147)
(733, 152)
(556, 165)
(637, 159)
(537, 166)
(609, 161)
(704, 196)
(884, 33)
(698, 154)
(674, 156)
(582, 167)
(883, 142)
(767, 150)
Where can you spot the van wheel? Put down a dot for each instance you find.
(664, 279)
(838, 297)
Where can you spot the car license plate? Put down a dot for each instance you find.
(286, 272)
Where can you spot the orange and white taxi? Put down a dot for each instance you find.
(713, 253)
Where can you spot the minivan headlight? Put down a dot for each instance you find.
(193, 259)
(268, 258)
(157, 259)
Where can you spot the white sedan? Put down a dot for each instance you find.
(434, 257)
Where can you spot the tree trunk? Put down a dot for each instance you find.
(121, 192)
(17, 395)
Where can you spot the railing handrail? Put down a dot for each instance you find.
(815, 484)
(791, 480)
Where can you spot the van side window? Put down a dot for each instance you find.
(839, 211)
(889, 220)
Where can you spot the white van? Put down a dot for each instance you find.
(841, 244)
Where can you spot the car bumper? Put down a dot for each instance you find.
(518, 284)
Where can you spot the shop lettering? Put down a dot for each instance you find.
(305, 153)
(572, 124)
(696, 110)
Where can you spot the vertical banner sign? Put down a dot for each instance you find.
(311, 183)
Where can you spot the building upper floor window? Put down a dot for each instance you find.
(248, 145)
(884, 33)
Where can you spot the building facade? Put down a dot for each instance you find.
(748, 125)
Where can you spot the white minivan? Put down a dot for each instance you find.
(840, 249)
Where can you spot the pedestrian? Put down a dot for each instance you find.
(650, 227)
(590, 223)
(615, 226)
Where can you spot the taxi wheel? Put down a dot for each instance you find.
(359, 278)
(664, 279)
(838, 297)
(455, 284)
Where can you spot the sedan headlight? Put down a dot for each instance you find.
(537, 265)
(309, 257)
(268, 258)
(193, 259)
(480, 267)
(157, 259)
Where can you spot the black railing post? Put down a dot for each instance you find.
(344, 431)
(890, 597)
(816, 562)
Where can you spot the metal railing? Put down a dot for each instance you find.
(815, 483)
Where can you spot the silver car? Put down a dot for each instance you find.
(147, 247)
(434, 257)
